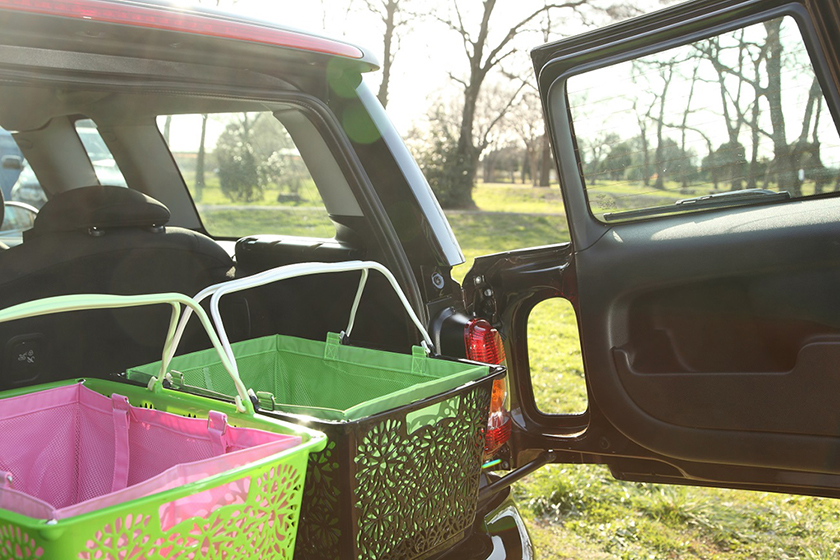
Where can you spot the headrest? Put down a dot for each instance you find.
(100, 207)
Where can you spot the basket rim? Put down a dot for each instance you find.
(311, 441)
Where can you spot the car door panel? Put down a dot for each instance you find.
(710, 339)
(683, 333)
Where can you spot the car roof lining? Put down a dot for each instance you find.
(41, 104)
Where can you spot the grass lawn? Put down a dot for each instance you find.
(580, 511)
(274, 211)
(226, 221)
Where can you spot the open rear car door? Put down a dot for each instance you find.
(699, 157)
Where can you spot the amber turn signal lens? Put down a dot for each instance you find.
(497, 398)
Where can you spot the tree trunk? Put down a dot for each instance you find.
(733, 126)
(658, 157)
(466, 154)
(685, 175)
(534, 163)
(199, 161)
(751, 175)
(824, 175)
(645, 150)
(388, 57)
(786, 176)
(167, 125)
(713, 166)
(545, 162)
(488, 170)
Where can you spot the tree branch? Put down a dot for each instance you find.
(459, 29)
(574, 5)
(484, 138)
(458, 80)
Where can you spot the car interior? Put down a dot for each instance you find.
(151, 237)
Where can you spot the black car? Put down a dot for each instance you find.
(705, 294)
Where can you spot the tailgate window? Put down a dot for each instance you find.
(734, 119)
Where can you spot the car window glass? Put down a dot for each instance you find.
(100, 156)
(742, 110)
(245, 175)
(11, 163)
(17, 218)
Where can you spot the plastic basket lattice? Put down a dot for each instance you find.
(413, 488)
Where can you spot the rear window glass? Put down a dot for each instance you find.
(245, 174)
(680, 130)
(11, 163)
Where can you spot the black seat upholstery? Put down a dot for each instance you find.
(98, 239)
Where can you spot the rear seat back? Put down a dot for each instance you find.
(98, 239)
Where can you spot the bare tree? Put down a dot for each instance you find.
(767, 84)
(664, 70)
(484, 53)
(200, 157)
(684, 124)
(395, 19)
(199, 160)
(546, 157)
(527, 121)
(642, 120)
(732, 154)
(753, 122)
(167, 126)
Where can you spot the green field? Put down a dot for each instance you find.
(579, 511)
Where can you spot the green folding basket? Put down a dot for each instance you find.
(399, 477)
(249, 510)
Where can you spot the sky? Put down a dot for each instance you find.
(428, 52)
(427, 55)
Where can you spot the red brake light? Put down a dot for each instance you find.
(483, 342)
(142, 16)
(498, 432)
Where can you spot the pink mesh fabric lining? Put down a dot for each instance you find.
(62, 446)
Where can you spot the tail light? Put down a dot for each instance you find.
(484, 344)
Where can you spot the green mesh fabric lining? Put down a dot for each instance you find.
(324, 379)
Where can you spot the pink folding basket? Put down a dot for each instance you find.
(72, 450)
(96, 469)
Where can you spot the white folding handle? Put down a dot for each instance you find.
(294, 271)
(80, 302)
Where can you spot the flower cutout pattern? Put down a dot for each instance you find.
(17, 543)
(413, 492)
(319, 535)
(263, 527)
